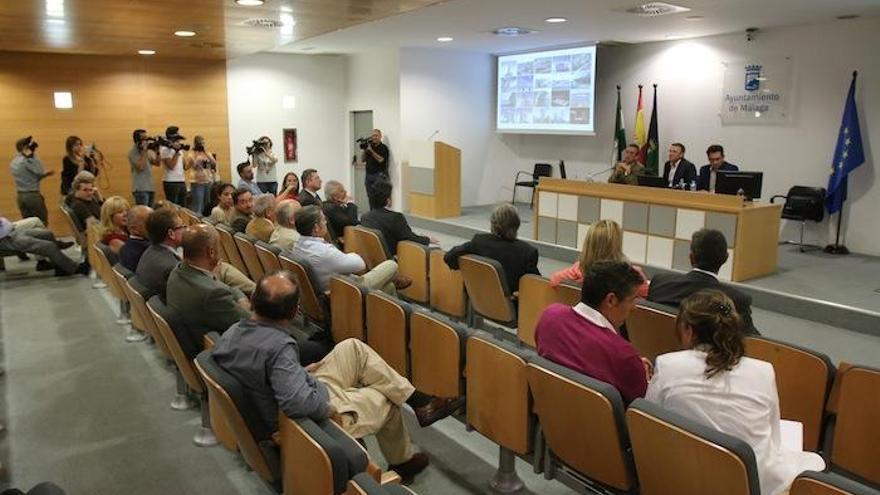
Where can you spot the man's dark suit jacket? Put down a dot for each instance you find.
(339, 216)
(516, 257)
(154, 267)
(671, 288)
(306, 199)
(686, 171)
(131, 252)
(393, 226)
(703, 179)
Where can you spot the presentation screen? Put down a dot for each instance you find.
(547, 92)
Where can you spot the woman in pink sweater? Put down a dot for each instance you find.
(603, 242)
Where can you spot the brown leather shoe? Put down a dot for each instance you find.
(409, 469)
(402, 282)
(437, 409)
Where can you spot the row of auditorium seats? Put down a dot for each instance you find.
(535, 409)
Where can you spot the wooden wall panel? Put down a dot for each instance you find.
(112, 96)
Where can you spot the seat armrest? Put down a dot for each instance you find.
(773, 198)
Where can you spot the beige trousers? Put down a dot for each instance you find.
(367, 394)
(233, 277)
(381, 276)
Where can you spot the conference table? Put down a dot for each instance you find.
(658, 223)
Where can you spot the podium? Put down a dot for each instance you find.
(434, 179)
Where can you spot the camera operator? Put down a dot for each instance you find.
(204, 167)
(264, 162)
(376, 159)
(28, 171)
(141, 158)
(171, 154)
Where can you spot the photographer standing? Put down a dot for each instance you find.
(204, 167)
(264, 162)
(376, 160)
(171, 154)
(75, 161)
(28, 171)
(142, 158)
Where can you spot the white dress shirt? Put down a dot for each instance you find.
(672, 168)
(326, 260)
(742, 402)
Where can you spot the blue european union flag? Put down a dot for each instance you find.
(848, 154)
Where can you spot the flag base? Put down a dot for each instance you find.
(836, 249)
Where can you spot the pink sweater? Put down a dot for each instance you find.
(573, 273)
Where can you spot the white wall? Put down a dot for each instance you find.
(256, 85)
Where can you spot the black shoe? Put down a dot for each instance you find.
(44, 265)
(437, 409)
(83, 269)
(23, 257)
(409, 469)
(62, 245)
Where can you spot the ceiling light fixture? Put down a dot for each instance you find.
(654, 9)
(185, 34)
(146, 52)
(250, 3)
(63, 99)
(555, 20)
(512, 31)
(445, 39)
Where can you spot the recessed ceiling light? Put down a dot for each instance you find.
(444, 39)
(555, 20)
(63, 99)
(694, 18)
(146, 52)
(250, 3)
(185, 34)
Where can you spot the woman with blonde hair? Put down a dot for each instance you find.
(713, 383)
(114, 222)
(603, 242)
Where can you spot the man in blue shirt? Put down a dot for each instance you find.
(28, 171)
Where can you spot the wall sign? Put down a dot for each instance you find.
(757, 91)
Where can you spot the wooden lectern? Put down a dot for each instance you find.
(434, 179)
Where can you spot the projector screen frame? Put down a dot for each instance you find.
(553, 129)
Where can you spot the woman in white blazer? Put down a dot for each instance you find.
(714, 384)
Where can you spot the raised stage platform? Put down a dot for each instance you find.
(841, 291)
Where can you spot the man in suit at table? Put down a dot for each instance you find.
(392, 224)
(678, 170)
(708, 254)
(708, 173)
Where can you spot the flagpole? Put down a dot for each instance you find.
(837, 247)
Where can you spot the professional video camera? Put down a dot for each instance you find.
(31, 145)
(363, 142)
(161, 141)
(256, 148)
(149, 143)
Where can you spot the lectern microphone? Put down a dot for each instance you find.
(434, 134)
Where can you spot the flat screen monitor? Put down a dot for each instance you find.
(747, 184)
(651, 181)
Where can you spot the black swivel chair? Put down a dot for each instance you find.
(803, 203)
(541, 170)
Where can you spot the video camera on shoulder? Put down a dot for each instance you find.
(363, 142)
(256, 148)
(156, 142)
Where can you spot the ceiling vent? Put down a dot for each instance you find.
(655, 9)
(262, 22)
(511, 31)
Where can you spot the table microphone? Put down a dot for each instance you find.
(609, 169)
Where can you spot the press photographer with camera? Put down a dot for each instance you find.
(264, 163)
(204, 167)
(27, 172)
(142, 157)
(171, 154)
(75, 161)
(375, 157)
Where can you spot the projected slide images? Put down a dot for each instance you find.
(546, 91)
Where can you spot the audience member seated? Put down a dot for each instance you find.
(628, 169)
(708, 254)
(603, 242)
(289, 187)
(585, 337)
(221, 198)
(246, 178)
(84, 200)
(311, 184)
(285, 235)
(263, 223)
(114, 222)
(131, 252)
(165, 229)
(708, 173)
(327, 260)
(339, 208)
(243, 211)
(40, 242)
(516, 257)
(392, 224)
(713, 383)
(353, 385)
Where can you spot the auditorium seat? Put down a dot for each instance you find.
(190, 217)
(447, 293)
(313, 304)
(364, 484)
(803, 379)
(371, 246)
(815, 483)
(676, 455)
(597, 448)
(248, 251)
(230, 248)
(855, 446)
(135, 331)
(252, 434)
(349, 242)
(268, 255)
(487, 289)
(498, 402)
(72, 224)
(347, 309)
(188, 382)
(651, 329)
(388, 329)
(106, 259)
(535, 294)
(136, 293)
(437, 354)
(412, 262)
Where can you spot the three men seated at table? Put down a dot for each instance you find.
(678, 172)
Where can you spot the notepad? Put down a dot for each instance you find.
(792, 435)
